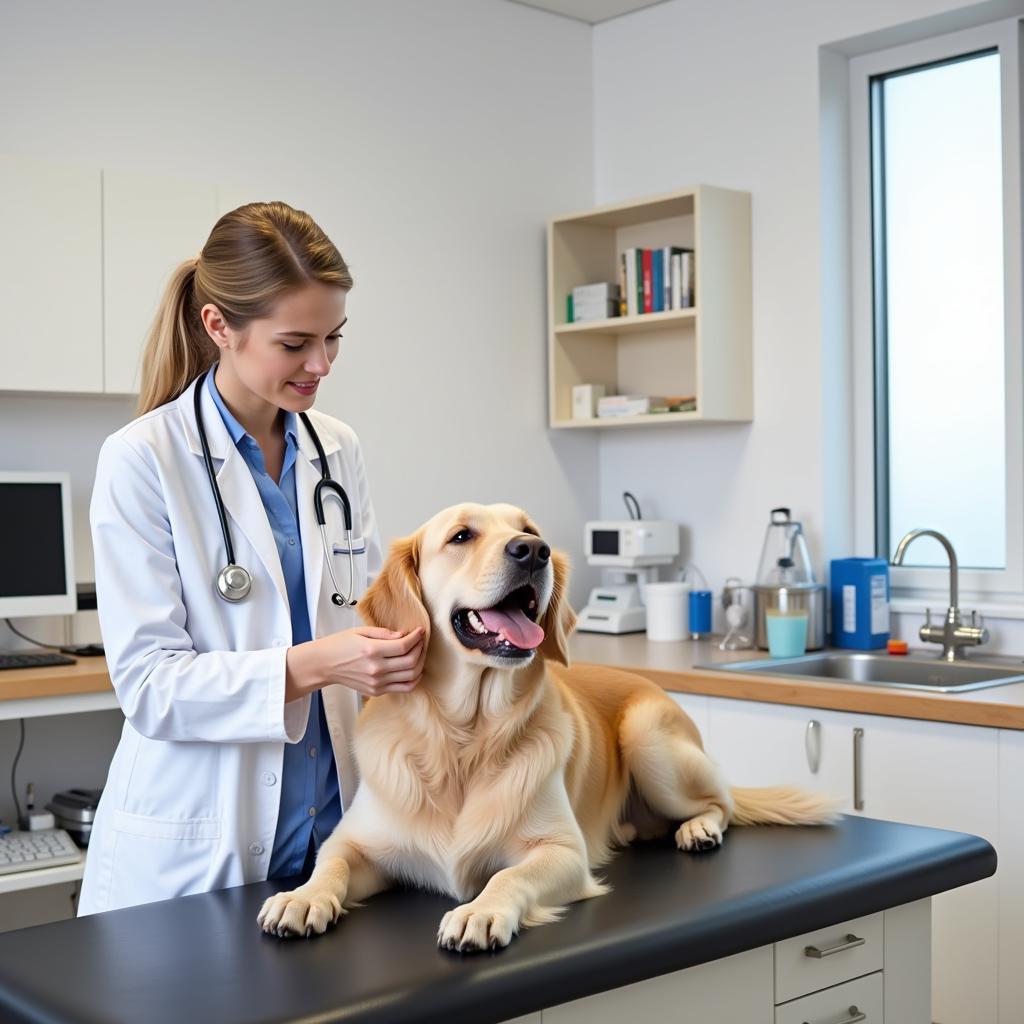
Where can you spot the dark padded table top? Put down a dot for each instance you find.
(202, 958)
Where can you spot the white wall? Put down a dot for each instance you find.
(729, 94)
(432, 142)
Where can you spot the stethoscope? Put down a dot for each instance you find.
(233, 581)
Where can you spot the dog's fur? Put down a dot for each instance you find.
(503, 781)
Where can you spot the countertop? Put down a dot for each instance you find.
(202, 958)
(672, 665)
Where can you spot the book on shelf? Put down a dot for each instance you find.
(629, 259)
(682, 279)
(648, 288)
(656, 280)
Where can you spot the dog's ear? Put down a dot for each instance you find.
(395, 598)
(559, 619)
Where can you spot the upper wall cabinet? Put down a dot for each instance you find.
(700, 352)
(86, 257)
(51, 277)
(150, 224)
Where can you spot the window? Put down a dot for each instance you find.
(937, 294)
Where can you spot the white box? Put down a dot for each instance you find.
(595, 310)
(604, 291)
(584, 400)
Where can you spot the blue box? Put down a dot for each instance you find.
(860, 603)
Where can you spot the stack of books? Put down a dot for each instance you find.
(593, 302)
(655, 280)
(641, 405)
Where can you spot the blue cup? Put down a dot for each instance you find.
(700, 613)
(787, 633)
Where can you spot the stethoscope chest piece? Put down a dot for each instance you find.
(234, 582)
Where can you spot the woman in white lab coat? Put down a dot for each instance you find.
(234, 762)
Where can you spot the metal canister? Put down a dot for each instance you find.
(790, 597)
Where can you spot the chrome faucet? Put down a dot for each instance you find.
(954, 636)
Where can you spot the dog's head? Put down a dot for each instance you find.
(480, 579)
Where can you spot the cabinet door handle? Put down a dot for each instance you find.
(812, 743)
(855, 1017)
(858, 757)
(848, 943)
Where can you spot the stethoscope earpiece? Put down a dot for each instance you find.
(234, 582)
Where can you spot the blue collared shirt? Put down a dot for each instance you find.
(310, 801)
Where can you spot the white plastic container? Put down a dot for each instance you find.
(666, 609)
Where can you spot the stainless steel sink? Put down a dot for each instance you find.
(914, 672)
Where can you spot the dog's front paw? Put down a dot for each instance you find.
(304, 911)
(474, 926)
(698, 834)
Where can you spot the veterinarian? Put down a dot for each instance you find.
(226, 610)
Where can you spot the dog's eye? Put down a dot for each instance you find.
(462, 536)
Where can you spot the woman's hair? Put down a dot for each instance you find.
(254, 255)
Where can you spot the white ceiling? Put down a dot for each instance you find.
(590, 11)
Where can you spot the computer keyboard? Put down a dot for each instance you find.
(22, 659)
(26, 851)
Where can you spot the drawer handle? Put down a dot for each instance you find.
(854, 1018)
(849, 943)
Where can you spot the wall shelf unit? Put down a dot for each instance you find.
(703, 350)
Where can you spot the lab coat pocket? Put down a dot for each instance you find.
(166, 828)
(159, 858)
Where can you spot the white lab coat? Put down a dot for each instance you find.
(191, 801)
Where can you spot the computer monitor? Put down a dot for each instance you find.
(37, 565)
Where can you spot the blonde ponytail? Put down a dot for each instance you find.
(254, 255)
(178, 348)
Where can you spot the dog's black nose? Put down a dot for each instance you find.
(528, 552)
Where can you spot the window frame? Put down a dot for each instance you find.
(915, 581)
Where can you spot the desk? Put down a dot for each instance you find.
(56, 689)
(202, 958)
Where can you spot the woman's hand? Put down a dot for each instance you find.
(367, 659)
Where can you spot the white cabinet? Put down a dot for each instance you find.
(944, 776)
(150, 224)
(85, 260)
(1010, 876)
(736, 988)
(921, 773)
(777, 745)
(50, 277)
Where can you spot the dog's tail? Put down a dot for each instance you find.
(782, 805)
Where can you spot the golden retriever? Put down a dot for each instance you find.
(505, 777)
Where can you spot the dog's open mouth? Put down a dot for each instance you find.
(508, 630)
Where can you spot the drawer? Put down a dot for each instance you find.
(818, 959)
(853, 1002)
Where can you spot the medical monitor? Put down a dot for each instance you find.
(37, 565)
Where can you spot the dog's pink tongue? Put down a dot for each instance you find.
(514, 626)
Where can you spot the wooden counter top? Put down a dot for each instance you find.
(87, 675)
(672, 666)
